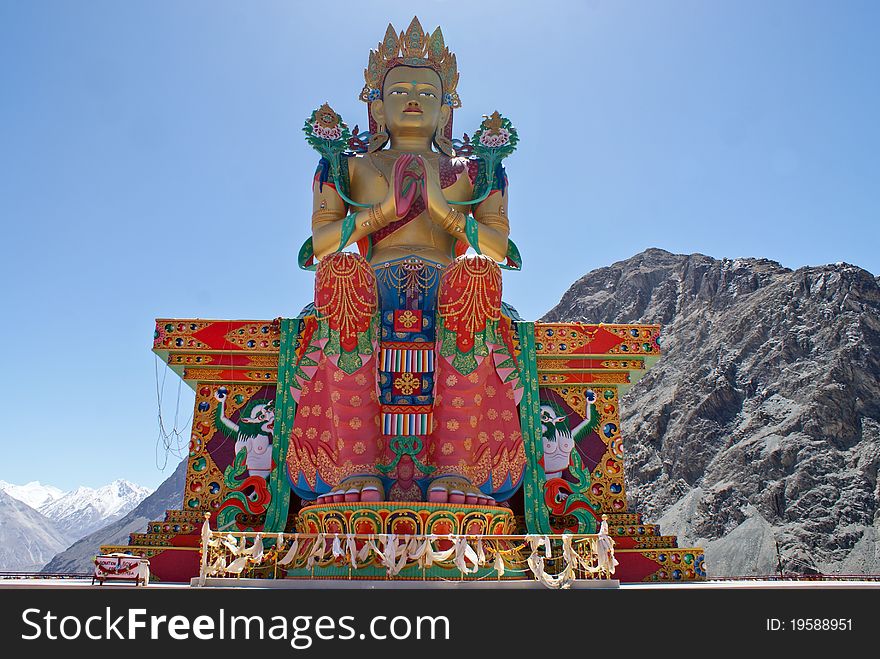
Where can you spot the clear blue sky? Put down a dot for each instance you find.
(152, 164)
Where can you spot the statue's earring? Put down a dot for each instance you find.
(378, 139)
(443, 143)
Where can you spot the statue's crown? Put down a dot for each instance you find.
(412, 48)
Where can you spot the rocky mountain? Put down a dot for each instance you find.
(79, 556)
(760, 426)
(27, 538)
(85, 510)
(34, 494)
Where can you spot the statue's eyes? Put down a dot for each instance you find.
(398, 91)
(431, 94)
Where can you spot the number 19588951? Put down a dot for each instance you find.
(809, 624)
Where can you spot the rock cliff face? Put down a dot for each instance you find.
(761, 423)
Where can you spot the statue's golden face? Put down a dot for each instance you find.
(412, 101)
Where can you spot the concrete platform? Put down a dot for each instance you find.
(397, 584)
(528, 584)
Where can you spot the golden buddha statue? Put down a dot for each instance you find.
(412, 390)
(413, 115)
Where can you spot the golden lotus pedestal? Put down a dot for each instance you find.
(406, 518)
(403, 519)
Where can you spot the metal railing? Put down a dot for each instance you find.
(45, 575)
(795, 576)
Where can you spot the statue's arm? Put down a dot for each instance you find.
(328, 213)
(329, 216)
(491, 214)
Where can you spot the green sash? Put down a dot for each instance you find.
(285, 411)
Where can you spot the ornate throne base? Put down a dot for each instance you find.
(579, 366)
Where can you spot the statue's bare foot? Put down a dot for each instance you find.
(456, 489)
(355, 488)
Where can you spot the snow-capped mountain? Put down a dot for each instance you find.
(85, 510)
(34, 494)
(78, 557)
(27, 539)
(38, 521)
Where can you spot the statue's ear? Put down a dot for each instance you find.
(445, 114)
(443, 143)
(381, 137)
(377, 111)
